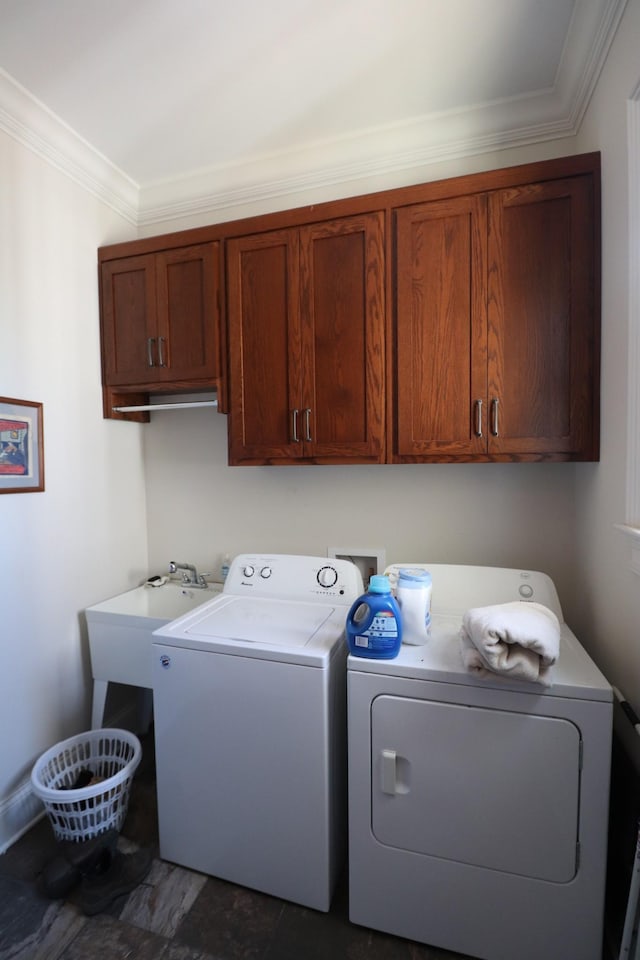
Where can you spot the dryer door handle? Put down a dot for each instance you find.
(388, 772)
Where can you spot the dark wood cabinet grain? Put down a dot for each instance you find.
(306, 343)
(264, 344)
(540, 320)
(495, 322)
(161, 318)
(441, 328)
(128, 319)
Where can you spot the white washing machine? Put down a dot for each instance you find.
(250, 728)
(478, 807)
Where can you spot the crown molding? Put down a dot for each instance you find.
(32, 124)
(434, 138)
(375, 152)
(270, 177)
(588, 42)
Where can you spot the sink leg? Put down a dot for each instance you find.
(99, 700)
(145, 709)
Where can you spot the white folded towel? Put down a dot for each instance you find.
(517, 639)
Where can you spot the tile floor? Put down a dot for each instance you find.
(175, 914)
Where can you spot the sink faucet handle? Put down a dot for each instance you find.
(174, 567)
(190, 576)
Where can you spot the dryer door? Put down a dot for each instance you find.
(486, 787)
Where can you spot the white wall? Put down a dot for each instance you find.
(609, 612)
(84, 537)
(199, 508)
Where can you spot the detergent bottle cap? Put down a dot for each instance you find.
(379, 584)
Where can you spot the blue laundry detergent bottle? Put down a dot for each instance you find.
(374, 626)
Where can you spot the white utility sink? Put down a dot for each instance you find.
(163, 603)
(120, 631)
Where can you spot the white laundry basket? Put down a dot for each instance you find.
(78, 814)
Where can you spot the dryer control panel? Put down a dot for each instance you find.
(456, 587)
(291, 577)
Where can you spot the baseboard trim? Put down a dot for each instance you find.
(20, 811)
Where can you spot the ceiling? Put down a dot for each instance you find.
(185, 97)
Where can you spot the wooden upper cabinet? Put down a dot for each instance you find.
(306, 343)
(451, 320)
(541, 335)
(128, 307)
(441, 328)
(160, 318)
(264, 344)
(496, 325)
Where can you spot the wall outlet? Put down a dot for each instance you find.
(368, 560)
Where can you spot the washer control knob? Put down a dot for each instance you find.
(327, 576)
(525, 590)
(248, 571)
(265, 573)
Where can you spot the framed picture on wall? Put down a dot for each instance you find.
(21, 446)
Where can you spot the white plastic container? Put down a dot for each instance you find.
(413, 594)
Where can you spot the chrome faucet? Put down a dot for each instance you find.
(190, 576)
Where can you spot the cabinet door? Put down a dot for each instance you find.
(441, 329)
(128, 300)
(160, 317)
(342, 311)
(264, 347)
(541, 317)
(187, 328)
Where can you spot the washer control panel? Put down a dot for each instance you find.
(292, 577)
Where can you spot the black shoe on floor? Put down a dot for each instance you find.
(108, 882)
(59, 877)
(85, 855)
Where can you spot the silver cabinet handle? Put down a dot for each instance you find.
(161, 360)
(307, 424)
(494, 417)
(150, 343)
(478, 411)
(294, 426)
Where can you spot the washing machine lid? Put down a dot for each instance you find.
(272, 629)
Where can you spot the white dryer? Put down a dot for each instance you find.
(478, 807)
(250, 728)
